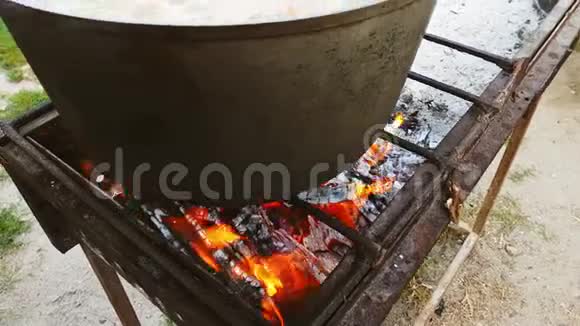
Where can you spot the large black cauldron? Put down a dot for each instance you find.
(224, 101)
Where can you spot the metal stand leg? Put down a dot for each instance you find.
(113, 288)
(482, 216)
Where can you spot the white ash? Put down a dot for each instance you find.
(497, 26)
(197, 12)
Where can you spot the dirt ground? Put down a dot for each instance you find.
(526, 271)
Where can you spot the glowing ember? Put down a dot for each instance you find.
(344, 201)
(375, 154)
(262, 271)
(221, 236)
(271, 252)
(398, 120)
(205, 255)
(363, 191)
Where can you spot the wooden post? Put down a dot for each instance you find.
(113, 288)
(506, 162)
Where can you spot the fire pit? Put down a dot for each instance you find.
(337, 255)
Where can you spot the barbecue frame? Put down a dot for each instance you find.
(371, 277)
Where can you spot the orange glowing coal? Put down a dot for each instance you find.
(377, 152)
(205, 255)
(281, 277)
(348, 211)
(398, 120)
(220, 236)
(379, 186)
(284, 275)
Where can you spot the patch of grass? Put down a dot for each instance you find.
(15, 75)
(520, 174)
(22, 101)
(11, 59)
(11, 226)
(507, 214)
(165, 321)
(504, 217)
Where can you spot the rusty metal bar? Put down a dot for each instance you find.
(426, 153)
(503, 168)
(455, 91)
(502, 62)
(370, 247)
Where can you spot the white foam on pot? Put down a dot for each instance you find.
(197, 12)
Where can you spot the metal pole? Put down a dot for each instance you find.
(502, 62)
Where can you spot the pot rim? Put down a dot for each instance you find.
(10, 9)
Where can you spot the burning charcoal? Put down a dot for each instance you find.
(317, 269)
(331, 193)
(411, 122)
(290, 219)
(210, 215)
(253, 223)
(248, 286)
(329, 260)
(315, 240)
(353, 174)
(322, 236)
(373, 207)
(343, 201)
(217, 244)
(212, 221)
(156, 215)
(403, 163)
(214, 215)
(374, 156)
